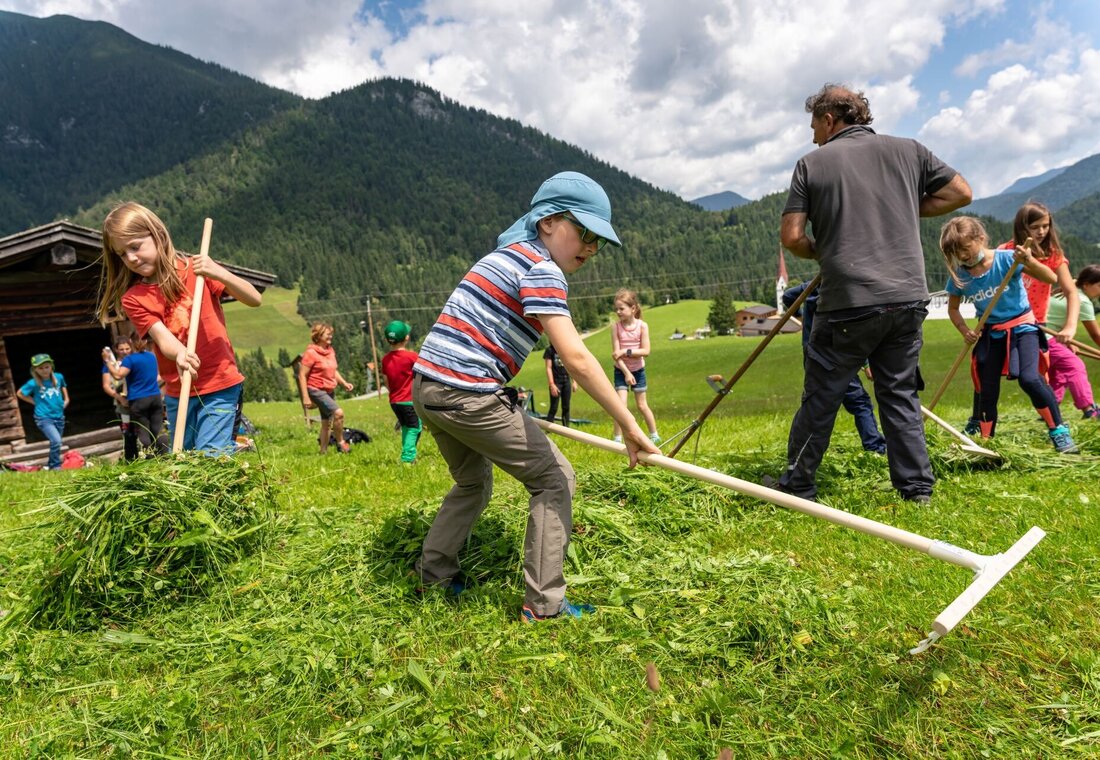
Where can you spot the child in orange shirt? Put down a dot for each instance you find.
(143, 277)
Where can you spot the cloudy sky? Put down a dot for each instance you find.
(695, 96)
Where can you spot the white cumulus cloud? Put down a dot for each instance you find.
(695, 96)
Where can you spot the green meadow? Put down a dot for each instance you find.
(276, 325)
(770, 633)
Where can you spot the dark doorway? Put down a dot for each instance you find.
(76, 355)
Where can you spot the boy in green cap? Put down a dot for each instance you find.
(397, 366)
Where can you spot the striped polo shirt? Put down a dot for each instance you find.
(489, 324)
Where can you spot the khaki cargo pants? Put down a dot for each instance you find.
(474, 431)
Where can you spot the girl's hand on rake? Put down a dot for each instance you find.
(207, 267)
(1065, 337)
(970, 336)
(1022, 255)
(187, 362)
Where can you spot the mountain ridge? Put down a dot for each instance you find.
(1073, 183)
(722, 201)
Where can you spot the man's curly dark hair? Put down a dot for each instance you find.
(844, 104)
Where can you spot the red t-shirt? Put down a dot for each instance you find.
(146, 305)
(397, 366)
(1038, 292)
(320, 364)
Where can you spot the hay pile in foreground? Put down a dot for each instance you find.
(125, 538)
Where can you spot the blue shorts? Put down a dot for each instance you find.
(210, 418)
(639, 377)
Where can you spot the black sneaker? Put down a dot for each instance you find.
(773, 483)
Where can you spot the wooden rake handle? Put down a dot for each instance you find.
(192, 340)
(1084, 348)
(981, 323)
(747, 363)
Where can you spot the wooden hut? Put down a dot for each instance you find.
(49, 282)
(759, 320)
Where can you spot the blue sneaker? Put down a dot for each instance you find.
(568, 610)
(972, 427)
(451, 589)
(1062, 441)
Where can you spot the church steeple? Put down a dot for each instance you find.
(780, 281)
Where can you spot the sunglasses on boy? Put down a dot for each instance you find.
(588, 237)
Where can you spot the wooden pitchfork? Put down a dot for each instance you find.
(724, 391)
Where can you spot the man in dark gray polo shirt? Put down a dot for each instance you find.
(864, 194)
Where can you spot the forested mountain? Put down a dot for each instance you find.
(86, 107)
(386, 191)
(1082, 219)
(723, 201)
(392, 190)
(1023, 184)
(1075, 182)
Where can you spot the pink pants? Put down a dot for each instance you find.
(1067, 370)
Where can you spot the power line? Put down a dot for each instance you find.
(644, 278)
(590, 297)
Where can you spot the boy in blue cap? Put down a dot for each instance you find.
(47, 393)
(397, 366)
(488, 327)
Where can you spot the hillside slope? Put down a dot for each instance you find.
(1078, 181)
(391, 190)
(88, 107)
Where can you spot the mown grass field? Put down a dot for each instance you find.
(774, 634)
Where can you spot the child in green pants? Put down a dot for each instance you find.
(397, 366)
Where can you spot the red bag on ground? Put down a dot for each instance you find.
(72, 460)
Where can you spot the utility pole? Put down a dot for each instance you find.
(373, 350)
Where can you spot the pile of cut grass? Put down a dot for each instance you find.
(119, 542)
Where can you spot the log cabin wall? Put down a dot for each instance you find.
(49, 283)
(11, 425)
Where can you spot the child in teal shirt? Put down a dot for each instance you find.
(46, 391)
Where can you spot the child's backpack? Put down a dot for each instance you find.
(352, 435)
(72, 460)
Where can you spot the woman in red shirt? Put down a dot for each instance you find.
(317, 378)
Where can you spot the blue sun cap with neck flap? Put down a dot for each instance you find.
(574, 192)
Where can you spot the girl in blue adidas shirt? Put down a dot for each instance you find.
(47, 393)
(1011, 342)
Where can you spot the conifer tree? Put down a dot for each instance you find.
(722, 317)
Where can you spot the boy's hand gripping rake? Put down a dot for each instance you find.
(989, 570)
(192, 340)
